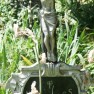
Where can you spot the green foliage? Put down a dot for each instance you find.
(73, 42)
(2, 91)
(12, 48)
(82, 10)
(68, 41)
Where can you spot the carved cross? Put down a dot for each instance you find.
(50, 84)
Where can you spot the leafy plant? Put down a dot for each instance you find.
(68, 41)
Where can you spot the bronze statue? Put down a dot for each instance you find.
(48, 26)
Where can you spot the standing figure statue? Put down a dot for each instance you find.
(48, 22)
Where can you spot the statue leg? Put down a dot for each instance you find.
(46, 42)
(46, 38)
(52, 43)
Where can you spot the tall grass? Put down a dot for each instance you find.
(68, 41)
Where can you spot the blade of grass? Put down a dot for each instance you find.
(27, 61)
(4, 64)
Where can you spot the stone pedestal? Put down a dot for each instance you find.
(55, 79)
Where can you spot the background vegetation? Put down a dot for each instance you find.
(75, 36)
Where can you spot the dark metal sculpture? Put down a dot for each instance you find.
(48, 25)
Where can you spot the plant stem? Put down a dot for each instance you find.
(37, 54)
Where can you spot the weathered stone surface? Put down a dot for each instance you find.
(56, 79)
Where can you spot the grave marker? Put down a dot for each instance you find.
(56, 79)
